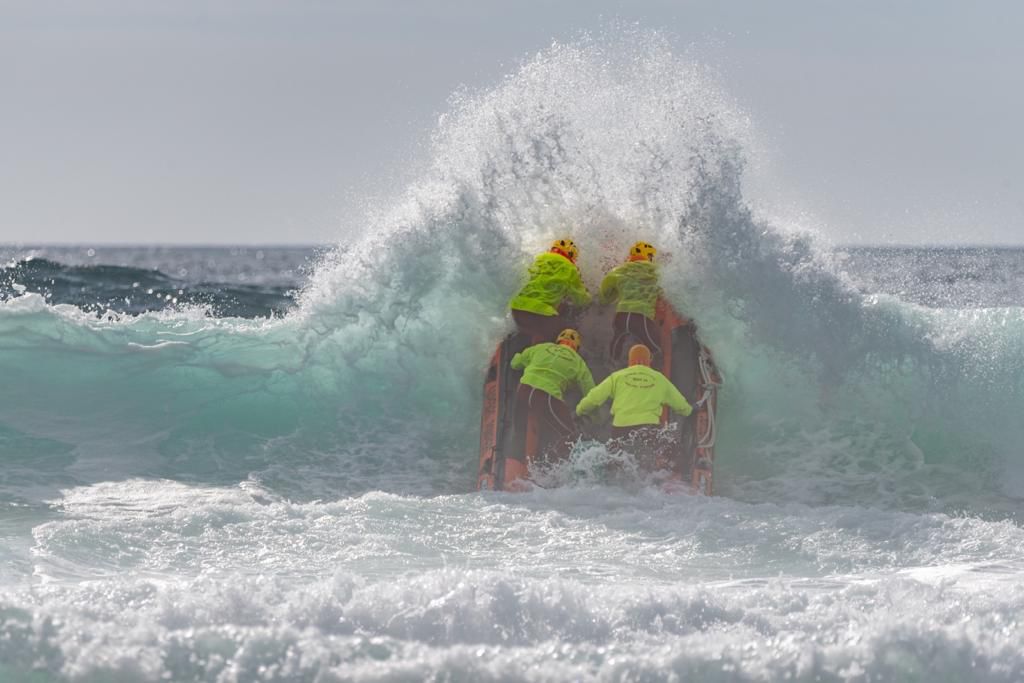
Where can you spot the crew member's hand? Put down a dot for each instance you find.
(583, 426)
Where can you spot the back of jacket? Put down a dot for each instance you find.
(552, 368)
(635, 285)
(552, 279)
(638, 394)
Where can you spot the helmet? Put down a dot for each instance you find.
(639, 355)
(566, 248)
(642, 251)
(570, 337)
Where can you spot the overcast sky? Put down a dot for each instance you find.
(240, 121)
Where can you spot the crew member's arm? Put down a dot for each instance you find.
(584, 379)
(595, 397)
(675, 400)
(577, 290)
(522, 359)
(610, 287)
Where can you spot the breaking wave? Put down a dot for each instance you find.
(833, 394)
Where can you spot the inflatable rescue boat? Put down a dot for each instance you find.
(506, 457)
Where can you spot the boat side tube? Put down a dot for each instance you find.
(688, 365)
(501, 462)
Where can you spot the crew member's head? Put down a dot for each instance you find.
(566, 248)
(571, 338)
(642, 251)
(639, 355)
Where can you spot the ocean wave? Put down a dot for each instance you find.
(103, 288)
(833, 394)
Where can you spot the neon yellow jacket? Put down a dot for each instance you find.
(552, 278)
(634, 285)
(552, 368)
(638, 394)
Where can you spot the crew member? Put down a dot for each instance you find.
(548, 370)
(638, 394)
(634, 286)
(554, 277)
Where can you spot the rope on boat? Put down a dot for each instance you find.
(707, 375)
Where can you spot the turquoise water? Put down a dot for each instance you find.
(272, 483)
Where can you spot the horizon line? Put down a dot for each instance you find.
(328, 245)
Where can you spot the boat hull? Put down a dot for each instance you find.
(506, 457)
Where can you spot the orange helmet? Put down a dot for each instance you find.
(642, 251)
(566, 248)
(570, 337)
(639, 355)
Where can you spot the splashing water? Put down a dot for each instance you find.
(217, 498)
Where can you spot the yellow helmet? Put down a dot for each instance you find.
(567, 248)
(642, 251)
(570, 337)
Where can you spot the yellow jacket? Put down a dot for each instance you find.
(638, 394)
